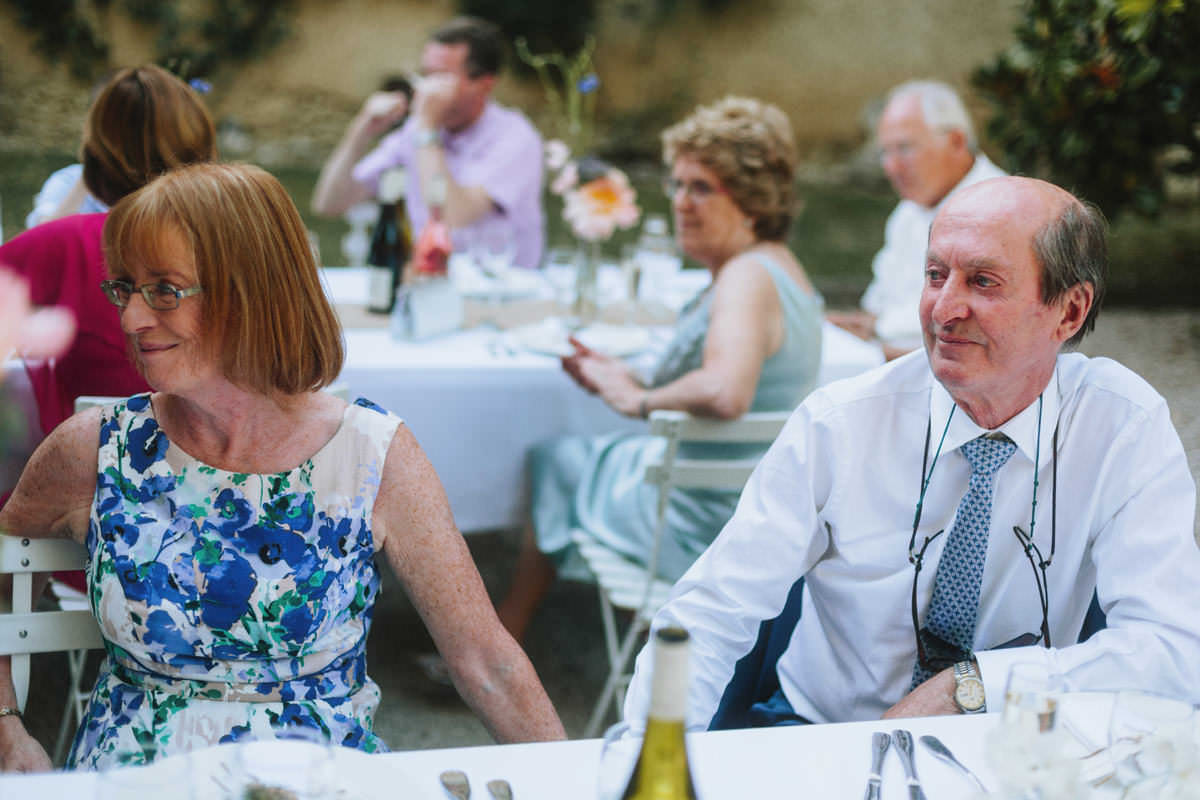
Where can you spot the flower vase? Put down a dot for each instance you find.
(587, 262)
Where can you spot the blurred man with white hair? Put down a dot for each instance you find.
(928, 149)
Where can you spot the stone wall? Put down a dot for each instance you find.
(824, 61)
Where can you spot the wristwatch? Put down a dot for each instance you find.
(426, 137)
(968, 688)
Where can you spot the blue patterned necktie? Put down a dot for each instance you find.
(955, 603)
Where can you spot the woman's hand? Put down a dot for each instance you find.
(606, 376)
(20, 752)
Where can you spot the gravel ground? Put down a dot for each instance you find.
(564, 642)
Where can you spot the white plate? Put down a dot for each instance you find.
(550, 338)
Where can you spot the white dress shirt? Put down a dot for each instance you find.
(899, 267)
(833, 500)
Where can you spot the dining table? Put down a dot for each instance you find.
(805, 761)
(478, 398)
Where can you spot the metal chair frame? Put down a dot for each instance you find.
(630, 586)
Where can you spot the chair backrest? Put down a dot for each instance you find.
(678, 427)
(25, 631)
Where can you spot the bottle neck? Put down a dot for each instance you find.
(669, 687)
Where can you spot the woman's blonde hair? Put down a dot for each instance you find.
(144, 122)
(265, 314)
(750, 146)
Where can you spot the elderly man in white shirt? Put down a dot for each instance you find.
(1079, 457)
(928, 149)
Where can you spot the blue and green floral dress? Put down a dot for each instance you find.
(230, 603)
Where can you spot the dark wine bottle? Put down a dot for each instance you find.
(662, 771)
(391, 243)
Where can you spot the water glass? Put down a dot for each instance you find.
(299, 761)
(1031, 698)
(1026, 750)
(1150, 738)
(618, 757)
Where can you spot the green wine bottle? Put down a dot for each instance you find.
(662, 771)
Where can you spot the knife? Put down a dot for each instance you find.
(880, 742)
(904, 744)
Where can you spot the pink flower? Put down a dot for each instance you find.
(597, 208)
(557, 154)
(566, 179)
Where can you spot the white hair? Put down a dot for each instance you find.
(941, 107)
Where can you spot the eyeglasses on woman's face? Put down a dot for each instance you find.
(696, 190)
(159, 295)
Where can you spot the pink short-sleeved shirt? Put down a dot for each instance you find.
(501, 151)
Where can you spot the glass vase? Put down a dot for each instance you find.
(587, 263)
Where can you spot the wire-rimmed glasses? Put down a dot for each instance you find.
(159, 295)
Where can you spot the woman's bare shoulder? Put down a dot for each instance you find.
(54, 493)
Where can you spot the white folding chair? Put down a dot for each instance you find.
(630, 586)
(25, 631)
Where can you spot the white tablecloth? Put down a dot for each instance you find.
(477, 412)
(816, 761)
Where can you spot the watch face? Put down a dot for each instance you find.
(969, 694)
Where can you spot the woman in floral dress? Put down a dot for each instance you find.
(232, 517)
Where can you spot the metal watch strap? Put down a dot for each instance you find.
(964, 670)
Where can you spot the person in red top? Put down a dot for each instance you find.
(144, 122)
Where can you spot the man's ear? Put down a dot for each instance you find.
(957, 139)
(1074, 306)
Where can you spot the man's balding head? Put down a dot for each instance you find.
(1013, 269)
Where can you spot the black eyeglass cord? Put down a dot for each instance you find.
(1039, 564)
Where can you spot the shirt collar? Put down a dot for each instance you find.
(1022, 429)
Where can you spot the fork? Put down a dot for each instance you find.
(455, 782)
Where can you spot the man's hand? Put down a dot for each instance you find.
(434, 98)
(860, 323)
(381, 111)
(20, 752)
(934, 697)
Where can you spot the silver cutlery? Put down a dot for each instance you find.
(455, 782)
(940, 750)
(904, 745)
(500, 790)
(880, 742)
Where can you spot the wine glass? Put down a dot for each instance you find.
(1150, 737)
(618, 756)
(493, 248)
(298, 760)
(1031, 698)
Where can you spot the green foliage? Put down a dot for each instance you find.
(1101, 96)
(195, 43)
(546, 25)
(61, 33)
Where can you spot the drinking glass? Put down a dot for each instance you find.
(299, 761)
(493, 248)
(1026, 750)
(1031, 698)
(1150, 738)
(618, 756)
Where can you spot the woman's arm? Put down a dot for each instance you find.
(431, 560)
(745, 328)
(52, 498)
(54, 495)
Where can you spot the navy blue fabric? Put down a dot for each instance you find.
(754, 679)
(1094, 620)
